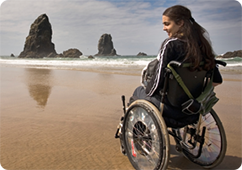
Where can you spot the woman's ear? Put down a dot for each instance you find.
(181, 23)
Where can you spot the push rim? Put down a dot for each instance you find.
(143, 138)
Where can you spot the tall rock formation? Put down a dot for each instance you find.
(38, 43)
(105, 46)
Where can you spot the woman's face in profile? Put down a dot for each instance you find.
(170, 26)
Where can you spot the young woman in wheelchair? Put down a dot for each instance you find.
(186, 44)
(176, 99)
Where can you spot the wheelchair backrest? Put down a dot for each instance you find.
(194, 81)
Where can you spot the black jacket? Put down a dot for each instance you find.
(171, 49)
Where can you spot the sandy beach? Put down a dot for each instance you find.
(66, 119)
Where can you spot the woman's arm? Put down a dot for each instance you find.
(167, 54)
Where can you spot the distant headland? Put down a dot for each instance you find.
(229, 54)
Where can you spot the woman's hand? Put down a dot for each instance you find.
(216, 84)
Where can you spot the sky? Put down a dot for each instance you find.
(135, 25)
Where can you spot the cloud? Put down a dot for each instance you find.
(81, 23)
(135, 25)
(222, 19)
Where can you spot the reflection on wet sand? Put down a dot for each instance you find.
(38, 81)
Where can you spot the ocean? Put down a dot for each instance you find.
(118, 64)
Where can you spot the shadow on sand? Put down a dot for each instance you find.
(179, 162)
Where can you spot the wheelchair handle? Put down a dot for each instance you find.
(178, 64)
(175, 63)
(220, 62)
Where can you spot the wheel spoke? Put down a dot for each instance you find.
(213, 150)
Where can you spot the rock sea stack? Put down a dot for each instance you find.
(72, 53)
(141, 54)
(90, 57)
(105, 46)
(38, 43)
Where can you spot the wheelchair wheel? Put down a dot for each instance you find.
(146, 139)
(215, 144)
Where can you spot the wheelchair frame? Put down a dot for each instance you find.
(138, 138)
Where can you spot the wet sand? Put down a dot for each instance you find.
(66, 119)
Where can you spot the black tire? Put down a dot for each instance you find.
(215, 145)
(146, 139)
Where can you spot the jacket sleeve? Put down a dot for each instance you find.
(166, 55)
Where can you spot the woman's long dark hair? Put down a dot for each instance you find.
(198, 47)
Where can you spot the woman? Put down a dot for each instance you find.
(186, 43)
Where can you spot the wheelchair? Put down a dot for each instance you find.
(144, 135)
